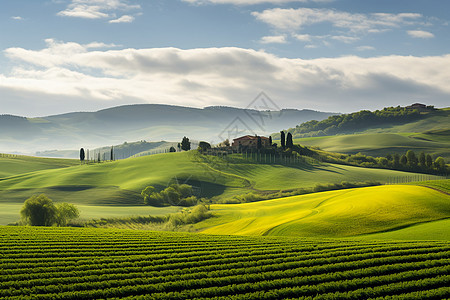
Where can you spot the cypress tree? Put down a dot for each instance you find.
(283, 140)
(289, 142)
(82, 155)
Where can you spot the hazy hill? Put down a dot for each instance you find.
(151, 122)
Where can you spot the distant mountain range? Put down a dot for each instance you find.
(150, 122)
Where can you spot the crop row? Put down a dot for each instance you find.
(47, 263)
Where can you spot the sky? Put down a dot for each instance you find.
(59, 56)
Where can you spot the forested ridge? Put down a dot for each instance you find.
(359, 121)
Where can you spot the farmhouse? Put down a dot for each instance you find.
(419, 106)
(250, 142)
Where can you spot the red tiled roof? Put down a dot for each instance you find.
(249, 137)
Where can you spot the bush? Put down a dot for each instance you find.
(40, 211)
(175, 194)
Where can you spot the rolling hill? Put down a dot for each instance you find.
(120, 182)
(151, 122)
(388, 131)
(436, 143)
(343, 213)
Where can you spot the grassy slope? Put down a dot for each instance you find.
(333, 214)
(120, 182)
(9, 213)
(380, 144)
(11, 165)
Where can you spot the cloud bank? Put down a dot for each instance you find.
(99, 9)
(81, 76)
(251, 2)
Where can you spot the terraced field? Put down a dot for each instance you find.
(55, 263)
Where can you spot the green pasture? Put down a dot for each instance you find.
(381, 144)
(120, 182)
(340, 213)
(11, 165)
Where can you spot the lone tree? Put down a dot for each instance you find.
(270, 140)
(172, 149)
(40, 211)
(82, 155)
(283, 140)
(112, 152)
(185, 144)
(289, 142)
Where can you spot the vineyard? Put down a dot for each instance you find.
(71, 263)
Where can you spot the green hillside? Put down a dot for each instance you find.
(436, 143)
(11, 165)
(340, 213)
(74, 263)
(387, 120)
(120, 182)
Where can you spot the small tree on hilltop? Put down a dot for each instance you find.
(204, 146)
(185, 144)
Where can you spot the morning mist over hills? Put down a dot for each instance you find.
(150, 122)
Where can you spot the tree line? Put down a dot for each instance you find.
(353, 122)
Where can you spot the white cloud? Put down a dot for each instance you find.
(420, 34)
(365, 48)
(295, 19)
(97, 9)
(18, 18)
(274, 39)
(252, 2)
(345, 39)
(302, 37)
(221, 76)
(123, 19)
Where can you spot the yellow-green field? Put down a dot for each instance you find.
(342, 213)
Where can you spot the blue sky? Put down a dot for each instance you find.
(342, 55)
